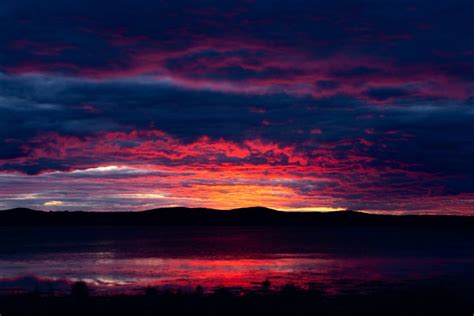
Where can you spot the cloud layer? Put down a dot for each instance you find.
(358, 105)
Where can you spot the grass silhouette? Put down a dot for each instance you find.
(426, 298)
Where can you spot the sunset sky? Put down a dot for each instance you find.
(294, 105)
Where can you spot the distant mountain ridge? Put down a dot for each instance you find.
(251, 216)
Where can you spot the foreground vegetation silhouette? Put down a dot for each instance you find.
(427, 298)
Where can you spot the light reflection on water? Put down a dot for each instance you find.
(126, 259)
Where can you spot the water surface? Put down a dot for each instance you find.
(118, 259)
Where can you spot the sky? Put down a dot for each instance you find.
(294, 105)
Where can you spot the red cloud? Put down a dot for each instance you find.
(225, 174)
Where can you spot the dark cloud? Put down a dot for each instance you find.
(382, 94)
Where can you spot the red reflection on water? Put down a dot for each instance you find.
(109, 275)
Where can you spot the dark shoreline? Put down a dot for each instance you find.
(255, 216)
(428, 298)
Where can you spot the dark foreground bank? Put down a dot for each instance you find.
(431, 298)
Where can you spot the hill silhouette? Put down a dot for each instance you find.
(252, 216)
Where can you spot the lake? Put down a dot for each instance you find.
(127, 259)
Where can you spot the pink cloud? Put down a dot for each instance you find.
(295, 71)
